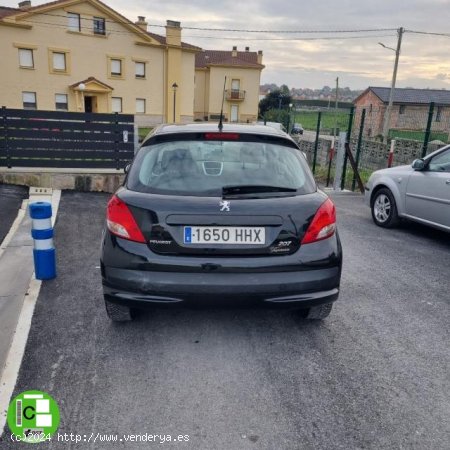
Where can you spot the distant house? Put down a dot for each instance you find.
(243, 73)
(409, 111)
(82, 55)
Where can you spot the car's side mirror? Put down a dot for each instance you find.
(126, 169)
(418, 164)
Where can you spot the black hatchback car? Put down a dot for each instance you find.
(209, 215)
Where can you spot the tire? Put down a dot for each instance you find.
(384, 209)
(319, 312)
(118, 313)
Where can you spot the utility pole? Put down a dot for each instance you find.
(387, 116)
(336, 109)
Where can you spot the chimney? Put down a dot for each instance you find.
(247, 49)
(25, 4)
(173, 33)
(260, 55)
(234, 52)
(141, 23)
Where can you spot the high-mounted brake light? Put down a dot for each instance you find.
(121, 222)
(222, 136)
(323, 225)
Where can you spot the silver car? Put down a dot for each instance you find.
(419, 192)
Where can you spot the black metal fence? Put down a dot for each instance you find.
(33, 138)
(413, 132)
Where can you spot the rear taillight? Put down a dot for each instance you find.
(323, 225)
(121, 222)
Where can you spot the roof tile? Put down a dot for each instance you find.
(6, 11)
(413, 96)
(219, 57)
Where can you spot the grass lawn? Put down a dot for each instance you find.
(322, 172)
(308, 119)
(143, 132)
(418, 135)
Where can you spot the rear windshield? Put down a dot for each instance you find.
(202, 167)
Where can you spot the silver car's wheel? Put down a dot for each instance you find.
(384, 209)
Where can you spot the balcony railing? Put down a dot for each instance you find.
(235, 95)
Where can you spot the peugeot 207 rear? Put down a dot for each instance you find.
(209, 215)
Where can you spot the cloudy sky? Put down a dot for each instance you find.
(356, 58)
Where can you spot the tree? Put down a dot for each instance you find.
(285, 90)
(278, 99)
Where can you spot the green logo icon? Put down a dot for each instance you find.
(33, 416)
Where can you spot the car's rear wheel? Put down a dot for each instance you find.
(118, 313)
(384, 209)
(318, 312)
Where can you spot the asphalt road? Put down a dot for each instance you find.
(10, 201)
(374, 375)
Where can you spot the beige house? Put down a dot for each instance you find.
(243, 74)
(81, 55)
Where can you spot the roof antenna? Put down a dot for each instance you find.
(221, 110)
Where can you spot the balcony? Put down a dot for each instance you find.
(234, 95)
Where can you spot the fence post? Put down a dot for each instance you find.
(339, 160)
(5, 137)
(428, 130)
(391, 153)
(330, 160)
(316, 144)
(349, 136)
(358, 148)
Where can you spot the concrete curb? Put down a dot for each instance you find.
(97, 180)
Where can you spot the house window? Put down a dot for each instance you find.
(59, 61)
(29, 100)
(116, 67)
(139, 69)
(61, 103)
(439, 114)
(235, 88)
(140, 105)
(99, 25)
(73, 22)
(26, 58)
(402, 109)
(116, 105)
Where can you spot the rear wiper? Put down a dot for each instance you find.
(254, 189)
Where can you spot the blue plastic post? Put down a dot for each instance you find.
(42, 233)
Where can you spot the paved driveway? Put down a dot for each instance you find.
(374, 375)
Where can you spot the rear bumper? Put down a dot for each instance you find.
(283, 289)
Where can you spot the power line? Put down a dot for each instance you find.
(57, 25)
(374, 30)
(324, 38)
(428, 32)
(236, 30)
(120, 32)
(129, 22)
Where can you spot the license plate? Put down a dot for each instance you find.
(225, 235)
